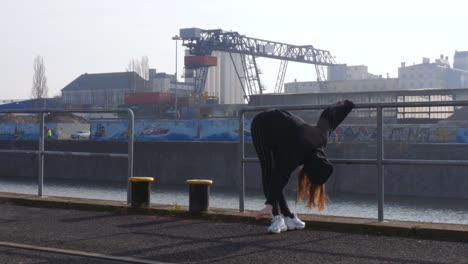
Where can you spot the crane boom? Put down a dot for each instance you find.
(201, 42)
(219, 40)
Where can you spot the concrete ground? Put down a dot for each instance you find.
(91, 231)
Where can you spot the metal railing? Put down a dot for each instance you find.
(380, 161)
(41, 151)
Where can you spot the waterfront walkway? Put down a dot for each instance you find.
(91, 231)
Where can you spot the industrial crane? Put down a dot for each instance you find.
(201, 43)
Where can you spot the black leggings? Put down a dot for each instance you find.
(265, 155)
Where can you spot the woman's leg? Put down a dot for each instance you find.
(275, 209)
(283, 206)
(265, 156)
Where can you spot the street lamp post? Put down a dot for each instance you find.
(176, 38)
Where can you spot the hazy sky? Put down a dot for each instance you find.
(97, 36)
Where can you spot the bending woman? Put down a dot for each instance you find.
(284, 142)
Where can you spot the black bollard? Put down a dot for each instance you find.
(199, 195)
(140, 195)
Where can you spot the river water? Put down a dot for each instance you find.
(396, 208)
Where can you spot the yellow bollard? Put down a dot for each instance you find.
(140, 191)
(199, 195)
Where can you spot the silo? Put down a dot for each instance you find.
(222, 80)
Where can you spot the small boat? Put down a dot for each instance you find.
(154, 131)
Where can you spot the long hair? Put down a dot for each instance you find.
(313, 194)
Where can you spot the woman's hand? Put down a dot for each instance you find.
(265, 212)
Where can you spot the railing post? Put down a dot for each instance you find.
(130, 133)
(241, 160)
(40, 155)
(380, 169)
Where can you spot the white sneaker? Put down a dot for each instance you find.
(294, 223)
(277, 225)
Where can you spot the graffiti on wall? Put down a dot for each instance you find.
(26, 131)
(462, 135)
(408, 133)
(397, 133)
(227, 130)
(172, 130)
(444, 134)
(353, 134)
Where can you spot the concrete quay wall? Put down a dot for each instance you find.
(174, 162)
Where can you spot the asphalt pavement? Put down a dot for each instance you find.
(31, 234)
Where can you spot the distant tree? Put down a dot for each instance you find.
(139, 66)
(133, 66)
(39, 88)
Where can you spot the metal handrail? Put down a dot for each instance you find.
(380, 161)
(41, 151)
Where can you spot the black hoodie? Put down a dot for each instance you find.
(293, 142)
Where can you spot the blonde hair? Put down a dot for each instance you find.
(314, 194)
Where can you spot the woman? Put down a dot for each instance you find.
(284, 142)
